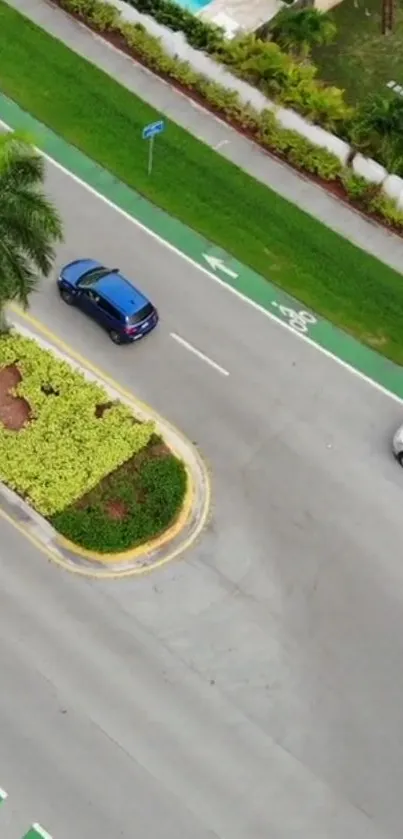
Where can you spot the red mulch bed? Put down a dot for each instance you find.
(333, 187)
(116, 510)
(15, 412)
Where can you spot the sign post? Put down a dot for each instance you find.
(149, 133)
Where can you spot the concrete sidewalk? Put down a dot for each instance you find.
(369, 236)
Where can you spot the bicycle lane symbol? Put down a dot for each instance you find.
(299, 321)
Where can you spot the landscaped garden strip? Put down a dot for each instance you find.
(104, 479)
(192, 182)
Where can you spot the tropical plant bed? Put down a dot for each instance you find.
(198, 186)
(101, 477)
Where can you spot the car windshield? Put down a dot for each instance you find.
(93, 275)
(142, 314)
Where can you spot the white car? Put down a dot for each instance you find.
(397, 445)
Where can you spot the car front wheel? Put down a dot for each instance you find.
(67, 297)
(399, 458)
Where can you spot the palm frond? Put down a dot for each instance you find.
(30, 225)
(20, 166)
(17, 278)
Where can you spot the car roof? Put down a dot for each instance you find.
(121, 293)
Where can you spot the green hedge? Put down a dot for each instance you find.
(151, 497)
(199, 34)
(371, 199)
(65, 449)
(300, 152)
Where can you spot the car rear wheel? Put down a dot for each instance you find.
(67, 297)
(115, 337)
(399, 458)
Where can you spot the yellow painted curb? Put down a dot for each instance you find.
(147, 547)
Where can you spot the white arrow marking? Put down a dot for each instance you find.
(219, 265)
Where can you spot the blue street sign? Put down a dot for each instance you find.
(153, 129)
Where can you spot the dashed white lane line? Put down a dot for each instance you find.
(199, 354)
(3, 795)
(221, 144)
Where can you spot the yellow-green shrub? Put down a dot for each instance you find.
(106, 17)
(65, 450)
(386, 207)
(264, 65)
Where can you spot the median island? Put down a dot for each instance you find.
(103, 479)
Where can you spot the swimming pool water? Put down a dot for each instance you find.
(193, 5)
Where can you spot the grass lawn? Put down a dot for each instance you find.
(101, 477)
(361, 60)
(195, 184)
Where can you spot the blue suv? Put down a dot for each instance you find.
(109, 298)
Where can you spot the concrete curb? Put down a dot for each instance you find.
(153, 554)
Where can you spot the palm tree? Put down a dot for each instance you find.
(30, 225)
(300, 30)
(378, 128)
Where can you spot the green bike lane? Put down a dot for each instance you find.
(219, 264)
(37, 832)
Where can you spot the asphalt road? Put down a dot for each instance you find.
(251, 690)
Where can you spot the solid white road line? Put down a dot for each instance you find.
(199, 354)
(265, 312)
(41, 831)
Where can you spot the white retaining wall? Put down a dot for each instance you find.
(176, 45)
(326, 5)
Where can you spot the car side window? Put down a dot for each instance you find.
(91, 295)
(108, 308)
